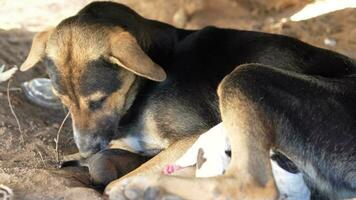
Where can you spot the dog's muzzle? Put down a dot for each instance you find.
(90, 143)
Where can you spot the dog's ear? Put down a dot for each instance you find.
(37, 51)
(126, 52)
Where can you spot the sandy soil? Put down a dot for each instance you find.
(28, 166)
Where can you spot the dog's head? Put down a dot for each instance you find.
(96, 67)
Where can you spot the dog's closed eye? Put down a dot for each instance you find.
(94, 105)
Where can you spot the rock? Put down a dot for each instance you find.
(180, 18)
(330, 42)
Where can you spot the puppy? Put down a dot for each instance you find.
(108, 165)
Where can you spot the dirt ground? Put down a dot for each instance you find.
(28, 160)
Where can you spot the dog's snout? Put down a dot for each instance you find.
(89, 144)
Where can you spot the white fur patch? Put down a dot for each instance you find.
(214, 143)
(291, 186)
(139, 144)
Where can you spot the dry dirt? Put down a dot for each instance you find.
(28, 166)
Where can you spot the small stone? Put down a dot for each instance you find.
(330, 42)
(180, 18)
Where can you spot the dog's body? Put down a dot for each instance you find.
(106, 54)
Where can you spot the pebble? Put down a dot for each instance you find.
(330, 42)
(180, 18)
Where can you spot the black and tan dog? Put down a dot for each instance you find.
(150, 87)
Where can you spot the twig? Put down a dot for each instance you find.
(56, 140)
(39, 152)
(4, 89)
(13, 112)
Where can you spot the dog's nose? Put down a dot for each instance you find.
(89, 145)
(88, 150)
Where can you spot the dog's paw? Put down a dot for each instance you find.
(138, 187)
(131, 188)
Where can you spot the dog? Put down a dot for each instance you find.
(150, 88)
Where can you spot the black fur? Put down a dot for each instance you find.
(313, 122)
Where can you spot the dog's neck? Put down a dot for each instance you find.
(159, 40)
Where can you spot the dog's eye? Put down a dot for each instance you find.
(93, 105)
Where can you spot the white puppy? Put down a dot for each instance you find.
(6, 75)
(209, 155)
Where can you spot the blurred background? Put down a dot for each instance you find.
(325, 23)
(25, 166)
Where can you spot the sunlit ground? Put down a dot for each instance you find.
(35, 15)
(320, 7)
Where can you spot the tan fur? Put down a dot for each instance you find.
(83, 117)
(37, 51)
(127, 53)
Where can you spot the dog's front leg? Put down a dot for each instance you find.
(157, 163)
